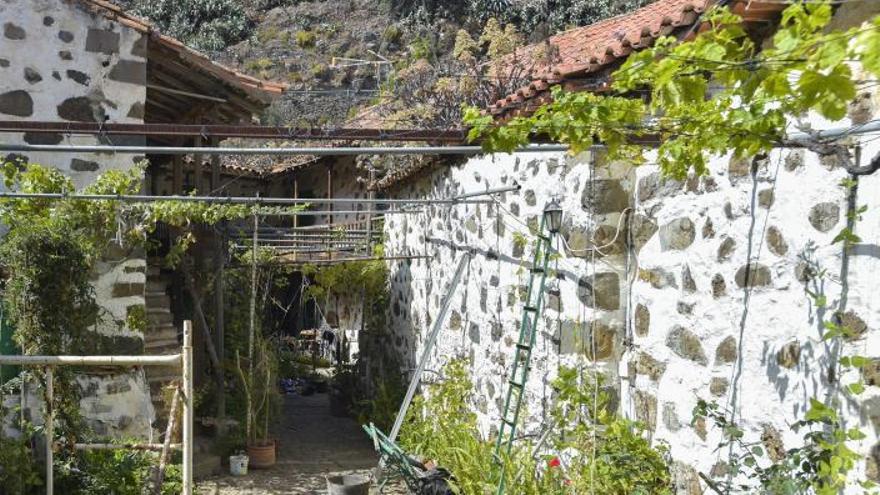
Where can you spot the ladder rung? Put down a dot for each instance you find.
(544, 237)
(530, 308)
(508, 422)
(523, 347)
(514, 383)
(537, 270)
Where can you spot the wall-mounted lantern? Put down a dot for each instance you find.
(553, 216)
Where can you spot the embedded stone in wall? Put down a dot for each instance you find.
(136, 111)
(824, 216)
(554, 301)
(677, 234)
(139, 47)
(32, 76)
(657, 277)
(604, 196)
(775, 242)
(804, 272)
(685, 344)
(766, 198)
(872, 464)
(81, 109)
(78, 165)
(685, 480)
(65, 36)
(609, 240)
(18, 103)
(497, 331)
(738, 168)
(718, 386)
(79, 77)
(645, 364)
(471, 225)
(794, 160)
(454, 320)
(102, 41)
(726, 249)
(854, 325)
(129, 71)
(654, 185)
(726, 351)
(642, 230)
(576, 238)
(42, 138)
(602, 343)
(13, 32)
(772, 440)
(670, 417)
(753, 275)
(861, 109)
(474, 333)
(646, 409)
(642, 320)
(871, 373)
(529, 197)
(789, 355)
(687, 280)
(4, 63)
(708, 229)
(685, 308)
(600, 290)
(700, 427)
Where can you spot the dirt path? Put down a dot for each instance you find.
(312, 444)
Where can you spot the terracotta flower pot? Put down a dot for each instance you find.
(261, 455)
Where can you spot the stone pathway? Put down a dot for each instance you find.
(312, 444)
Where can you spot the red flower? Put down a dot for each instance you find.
(554, 462)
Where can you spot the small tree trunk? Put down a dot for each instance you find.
(166, 446)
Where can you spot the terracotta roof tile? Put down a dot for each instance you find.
(587, 49)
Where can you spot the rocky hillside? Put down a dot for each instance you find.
(341, 56)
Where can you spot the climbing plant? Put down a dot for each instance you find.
(720, 92)
(50, 253)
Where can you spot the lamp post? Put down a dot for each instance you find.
(553, 216)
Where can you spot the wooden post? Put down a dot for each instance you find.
(50, 430)
(253, 321)
(295, 217)
(197, 166)
(219, 323)
(215, 167)
(177, 164)
(329, 206)
(166, 445)
(188, 389)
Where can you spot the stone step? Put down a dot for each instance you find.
(168, 346)
(157, 285)
(158, 300)
(160, 331)
(159, 318)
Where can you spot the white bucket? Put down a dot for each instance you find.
(238, 465)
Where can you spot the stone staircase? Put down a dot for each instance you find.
(160, 338)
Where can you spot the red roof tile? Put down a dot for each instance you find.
(587, 49)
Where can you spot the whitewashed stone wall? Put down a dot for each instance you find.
(483, 322)
(59, 62)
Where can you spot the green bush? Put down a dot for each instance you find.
(305, 39)
(603, 452)
(209, 25)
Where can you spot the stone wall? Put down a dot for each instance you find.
(59, 62)
(583, 313)
(713, 302)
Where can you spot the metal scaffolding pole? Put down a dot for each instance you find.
(312, 151)
(239, 200)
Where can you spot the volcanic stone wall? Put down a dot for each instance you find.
(59, 62)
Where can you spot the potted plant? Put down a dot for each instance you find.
(261, 397)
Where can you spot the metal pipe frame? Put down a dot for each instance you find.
(234, 131)
(314, 151)
(183, 361)
(238, 200)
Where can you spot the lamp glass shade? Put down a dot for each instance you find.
(553, 216)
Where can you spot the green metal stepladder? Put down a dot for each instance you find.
(550, 224)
